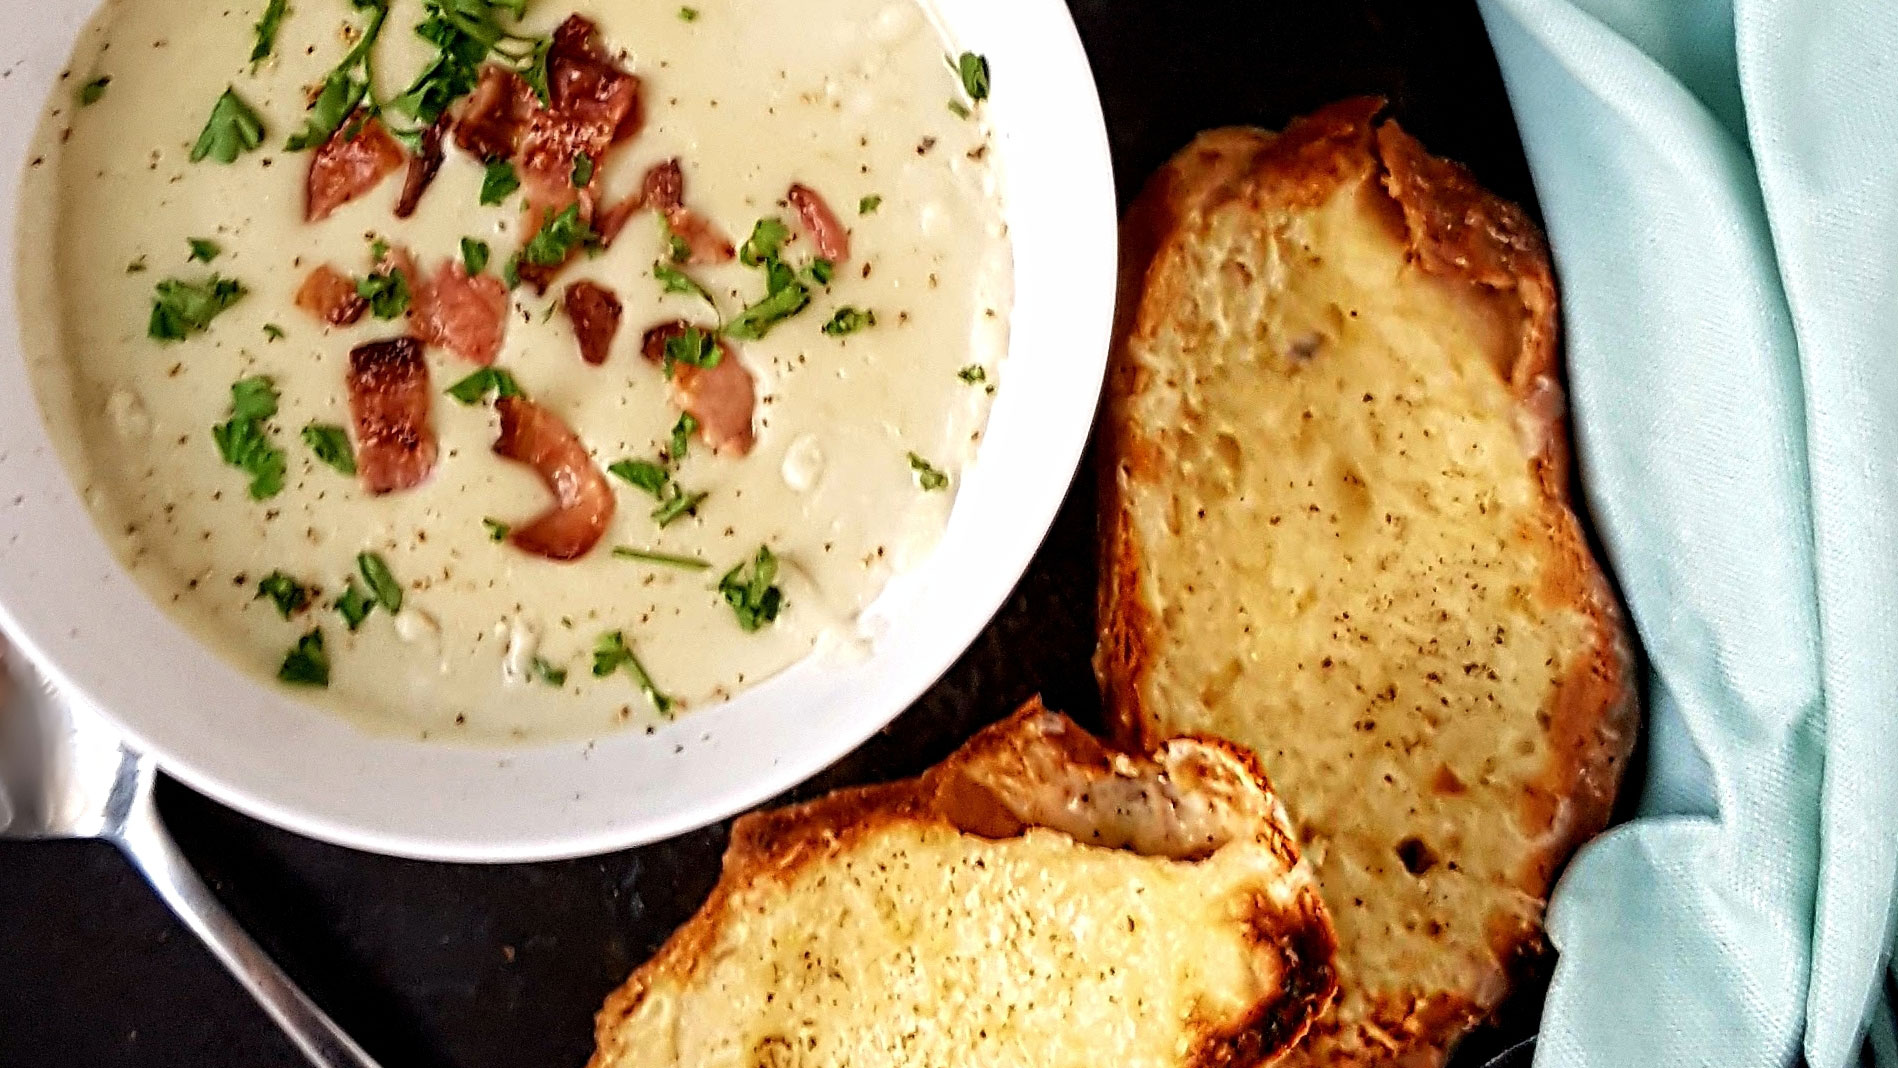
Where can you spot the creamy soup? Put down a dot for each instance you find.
(866, 403)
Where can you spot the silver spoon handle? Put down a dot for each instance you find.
(145, 841)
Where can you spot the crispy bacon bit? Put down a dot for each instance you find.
(663, 190)
(331, 296)
(422, 167)
(584, 502)
(389, 401)
(829, 235)
(466, 315)
(720, 397)
(346, 167)
(595, 312)
(495, 115)
(608, 222)
(591, 104)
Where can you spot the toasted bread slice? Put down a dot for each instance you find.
(1336, 530)
(1035, 901)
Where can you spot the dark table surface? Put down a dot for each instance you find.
(491, 966)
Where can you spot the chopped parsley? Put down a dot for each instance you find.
(868, 205)
(767, 237)
(674, 280)
(382, 583)
(753, 598)
(678, 249)
(464, 32)
(547, 672)
(688, 14)
(645, 474)
(354, 605)
(306, 664)
(650, 556)
(474, 255)
(290, 595)
(346, 86)
(273, 332)
(958, 108)
(678, 504)
(497, 530)
(786, 292)
(475, 388)
(242, 441)
(849, 320)
(973, 374)
(817, 273)
(498, 181)
(974, 72)
(682, 432)
(90, 92)
(387, 294)
(181, 309)
(692, 347)
(330, 443)
(557, 239)
(232, 130)
(757, 320)
(582, 170)
(267, 29)
(611, 654)
(927, 475)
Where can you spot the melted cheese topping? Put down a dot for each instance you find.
(921, 945)
(848, 97)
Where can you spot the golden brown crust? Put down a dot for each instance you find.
(1456, 230)
(776, 845)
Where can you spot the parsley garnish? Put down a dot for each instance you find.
(330, 443)
(545, 671)
(232, 129)
(753, 598)
(677, 281)
(306, 664)
(692, 347)
(757, 320)
(273, 332)
(849, 320)
(645, 474)
(688, 14)
(267, 29)
(678, 249)
(682, 432)
(958, 108)
(242, 442)
(868, 205)
(974, 71)
(818, 273)
(381, 580)
(557, 239)
(464, 32)
(354, 605)
(611, 654)
(785, 293)
(475, 388)
(181, 309)
(90, 92)
(346, 86)
(582, 170)
(767, 237)
(690, 563)
(498, 181)
(387, 294)
(474, 255)
(497, 530)
(290, 595)
(927, 476)
(203, 249)
(680, 503)
(973, 374)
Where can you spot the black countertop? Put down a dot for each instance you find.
(502, 966)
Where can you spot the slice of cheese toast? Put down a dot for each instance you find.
(1336, 530)
(1035, 901)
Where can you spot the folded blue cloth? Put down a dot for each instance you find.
(1720, 182)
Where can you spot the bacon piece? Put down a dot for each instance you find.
(389, 401)
(463, 314)
(829, 235)
(583, 502)
(592, 105)
(422, 167)
(721, 397)
(663, 187)
(595, 312)
(346, 167)
(608, 222)
(496, 114)
(663, 190)
(331, 296)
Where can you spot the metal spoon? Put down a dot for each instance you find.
(65, 772)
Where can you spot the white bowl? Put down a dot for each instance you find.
(65, 602)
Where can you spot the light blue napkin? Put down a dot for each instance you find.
(1720, 182)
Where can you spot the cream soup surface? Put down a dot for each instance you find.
(851, 98)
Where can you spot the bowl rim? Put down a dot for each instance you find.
(64, 600)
